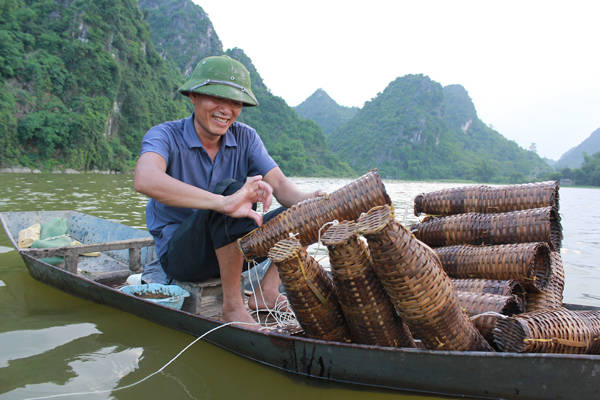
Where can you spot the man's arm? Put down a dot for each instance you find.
(285, 191)
(150, 178)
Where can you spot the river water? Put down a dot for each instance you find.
(53, 343)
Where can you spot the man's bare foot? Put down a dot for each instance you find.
(268, 300)
(240, 317)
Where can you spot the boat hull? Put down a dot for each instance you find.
(453, 373)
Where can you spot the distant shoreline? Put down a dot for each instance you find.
(26, 170)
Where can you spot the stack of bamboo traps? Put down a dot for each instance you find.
(509, 234)
(363, 301)
(417, 285)
(369, 312)
(483, 272)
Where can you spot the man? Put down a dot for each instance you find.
(194, 171)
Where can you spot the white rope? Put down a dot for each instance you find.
(147, 377)
(489, 313)
(319, 243)
(280, 313)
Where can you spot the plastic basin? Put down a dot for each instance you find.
(166, 295)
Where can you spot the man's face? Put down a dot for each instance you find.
(213, 115)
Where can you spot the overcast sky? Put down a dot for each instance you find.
(532, 68)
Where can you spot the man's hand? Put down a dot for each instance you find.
(239, 204)
(316, 193)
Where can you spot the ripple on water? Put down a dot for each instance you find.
(4, 249)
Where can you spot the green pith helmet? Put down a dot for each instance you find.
(221, 76)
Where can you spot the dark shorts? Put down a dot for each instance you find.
(191, 254)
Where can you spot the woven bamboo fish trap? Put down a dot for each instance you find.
(369, 313)
(488, 199)
(554, 331)
(475, 303)
(508, 287)
(528, 263)
(485, 324)
(307, 217)
(310, 292)
(552, 295)
(418, 286)
(533, 225)
(485, 308)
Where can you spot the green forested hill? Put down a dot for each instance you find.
(80, 84)
(416, 129)
(322, 109)
(494, 158)
(587, 175)
(182, 33)
(581, 164)
(574, 158)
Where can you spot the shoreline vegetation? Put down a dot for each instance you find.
(26, 170)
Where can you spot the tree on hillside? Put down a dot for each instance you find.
(81, 83)
(589, 173)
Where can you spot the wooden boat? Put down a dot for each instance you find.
(466, 374)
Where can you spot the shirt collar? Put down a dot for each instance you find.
(192, 140)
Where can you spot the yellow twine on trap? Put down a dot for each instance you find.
(312, 287)
(564, 342)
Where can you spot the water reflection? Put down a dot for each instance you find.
(27, 343)
(101, 371)
(4, 249)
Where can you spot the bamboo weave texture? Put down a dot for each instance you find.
(488, 199)
(528, 263)
(532, 225)
(554, 331)
(419, 288)
(310, 292)
(368, 310)
(306, 218)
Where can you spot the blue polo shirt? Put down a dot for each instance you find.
(241, 155)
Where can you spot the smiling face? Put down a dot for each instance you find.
(213, 115)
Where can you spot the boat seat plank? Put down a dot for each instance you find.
(206, 298)
(103, 267)
(72, 253)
